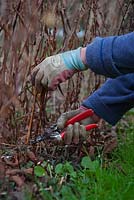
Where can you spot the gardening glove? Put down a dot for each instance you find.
(74, 132)
(56, 69)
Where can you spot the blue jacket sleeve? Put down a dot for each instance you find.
(113, 99)
(111, 56)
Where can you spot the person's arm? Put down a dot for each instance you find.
(113, 99)
(110, 56)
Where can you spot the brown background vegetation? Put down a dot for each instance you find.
(29, 32)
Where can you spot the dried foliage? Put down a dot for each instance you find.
(32, 30)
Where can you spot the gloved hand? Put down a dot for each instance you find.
(56, 69)
(73, 133)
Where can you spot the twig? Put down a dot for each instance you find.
(5, 144)
(31, 119)
(16, 16)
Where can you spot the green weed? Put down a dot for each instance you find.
(109, 179)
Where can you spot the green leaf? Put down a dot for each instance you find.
(59, 169)
(95, 165)
(68, 167)
(30, 164)
(44, 164)
(86, 162)
(39, 171)
(73, 174)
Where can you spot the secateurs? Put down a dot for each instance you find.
(54, 133)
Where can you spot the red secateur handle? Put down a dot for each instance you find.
(80, 117)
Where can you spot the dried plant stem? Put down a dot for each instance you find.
(31, 119)
(33, 30)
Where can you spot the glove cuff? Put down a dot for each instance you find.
(72, 60)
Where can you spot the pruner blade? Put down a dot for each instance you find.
(54, 133)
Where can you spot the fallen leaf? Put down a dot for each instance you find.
(31, 155)
(14, 163)
(11, 172)
(2, 169)
(18, 180)
(91, 151)
(110, 145)
(28, 171)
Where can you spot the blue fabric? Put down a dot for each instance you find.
(72, 60)
(113, 99)
(112, 57)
